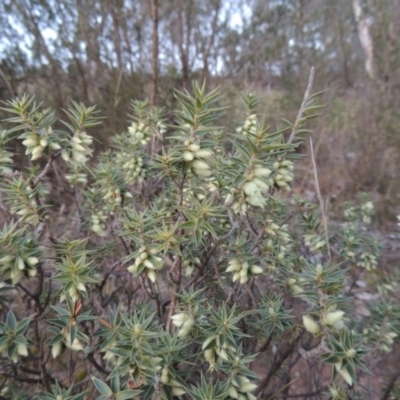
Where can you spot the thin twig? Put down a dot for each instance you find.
(321, 200)
(303, 105)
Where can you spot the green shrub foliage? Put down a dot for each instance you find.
(176, 264)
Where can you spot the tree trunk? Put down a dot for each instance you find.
(154, 59)
(365, 38)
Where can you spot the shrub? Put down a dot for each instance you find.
(176, 264)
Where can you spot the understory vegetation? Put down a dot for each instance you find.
(178, 263)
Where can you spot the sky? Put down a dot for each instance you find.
(49, 34)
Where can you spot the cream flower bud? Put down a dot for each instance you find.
(86, 139)
(235, 276)
(30, 142)
(189, 324)
(291, 281)
(73, 292)
(78, 147)
(174, 382)
(310, 325)
(151, 275)
(20, 264)
(54, 146)
(200, 165)
(7, 259)
(76, 139)
(223, 354)
(204, 153)
(36, 156)
(259, 171)
(281, 183)
(260, 183)
(255, 269)
(243, 276)
(177, 391)
(250, 188)
(296, 289)
(32, 272)
(194, 147)
(247, 387)
(148, 264)
(286, 163)
(229, 199)
(234, 265)
(179, 319)
(37, 150)
(188, 156)
(76, 345)
(65, 155)
(209, 355)
(96, 228)
(333, 317)
(155, 361)
(384, 347)
(16, 276)
(232, 392)
(56, 349)
(32, 261)
(22, 350)
(164, 375)
(157, 259)
(351, 353)
(138, 261)
(207, 342)
(186, 328)
(346, 376)
(24, 211)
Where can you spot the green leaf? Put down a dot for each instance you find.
(11, 321)
(188, 225)
(115, 384)
(23, 325)
(3, 340)
(127, 394)
(19, 339)
(56, 339)
(101, 386)
(242, 149)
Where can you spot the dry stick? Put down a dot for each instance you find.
(46, 168)
(292, 363)
(321, 201)
(7, 82)
(277, 364)
(391, 384)
(303, 104)
(177, 265)
(266, 344)
(300, 395)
